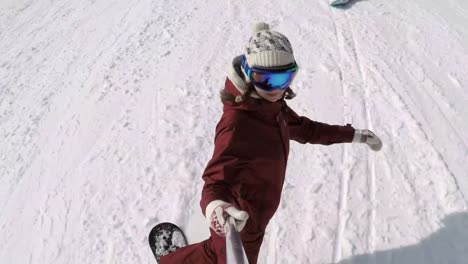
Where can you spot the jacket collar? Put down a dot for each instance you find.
(262, 106)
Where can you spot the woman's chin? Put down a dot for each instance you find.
(272, 96)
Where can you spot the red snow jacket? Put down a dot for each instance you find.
(251, 152)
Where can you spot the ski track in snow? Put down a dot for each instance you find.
(348, 47)
(108, 111)
(347, 73)
(344, 184)
(371, 177)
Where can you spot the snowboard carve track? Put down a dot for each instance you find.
(349, 55)
(371, 157)
(345, 176)
(343, 215)
(409, 113)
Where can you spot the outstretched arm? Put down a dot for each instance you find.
(304, 130)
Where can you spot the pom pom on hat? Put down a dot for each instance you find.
(260, 26)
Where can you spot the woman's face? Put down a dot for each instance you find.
(271, 96)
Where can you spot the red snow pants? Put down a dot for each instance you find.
(213, 250)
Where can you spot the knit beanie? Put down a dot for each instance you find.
(268, 48)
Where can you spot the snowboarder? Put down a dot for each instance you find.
(245, 176)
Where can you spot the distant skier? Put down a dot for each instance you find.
(245, 176)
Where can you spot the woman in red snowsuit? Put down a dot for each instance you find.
(245, 176)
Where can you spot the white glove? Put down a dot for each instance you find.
(217, 213)
(368, 137)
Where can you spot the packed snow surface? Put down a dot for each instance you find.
(108, 111)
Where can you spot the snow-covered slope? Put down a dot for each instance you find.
(108, 110)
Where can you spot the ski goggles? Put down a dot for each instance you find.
(269, 79)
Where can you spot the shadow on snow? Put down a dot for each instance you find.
(448, 245)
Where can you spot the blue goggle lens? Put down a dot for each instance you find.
(270, 79)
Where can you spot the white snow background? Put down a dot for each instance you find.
(108, 110)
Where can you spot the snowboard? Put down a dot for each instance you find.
(165, 238)
(337, 3)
